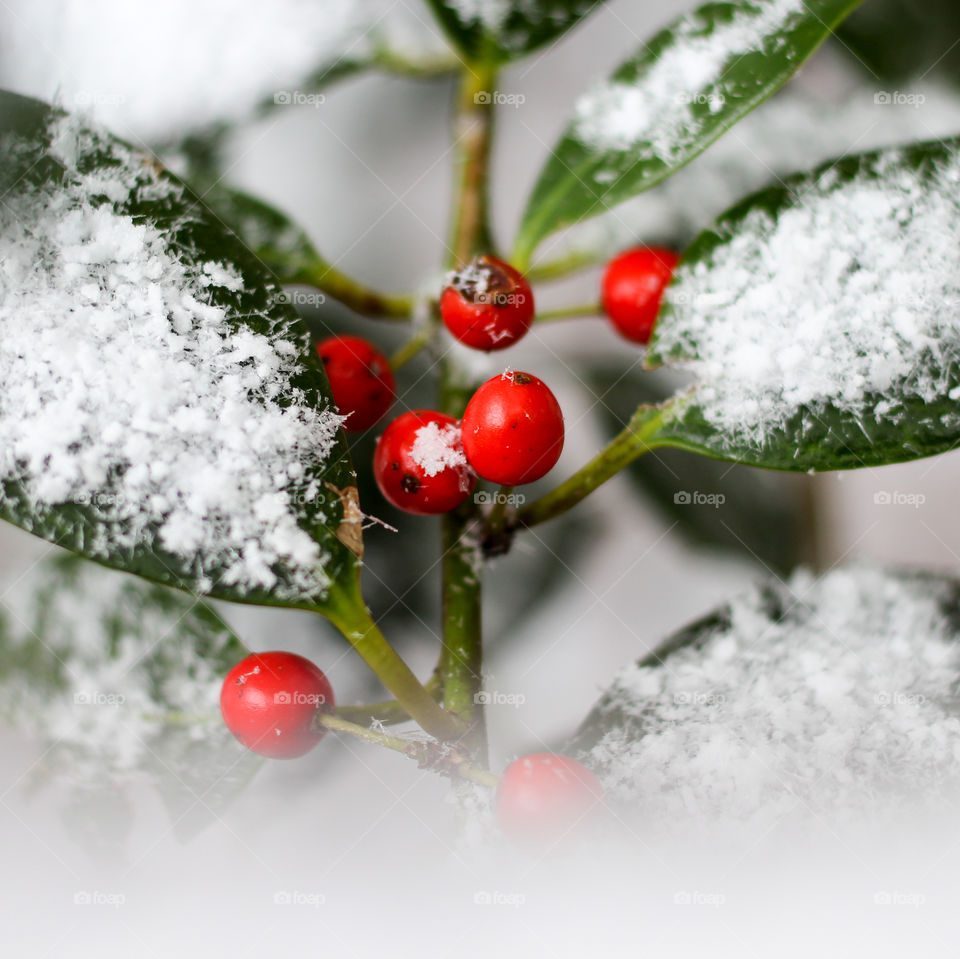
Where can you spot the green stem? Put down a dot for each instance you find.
(395, 62)
(497, 518)
(388, 712)
(636, 439)
(425, 753)
(346, 611)
(570, 313)
(563, 266)
(473, 130)
(414, 346)
(349, 291)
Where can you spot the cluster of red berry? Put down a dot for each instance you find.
(427, 463)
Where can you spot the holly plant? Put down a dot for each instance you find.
(166, 411)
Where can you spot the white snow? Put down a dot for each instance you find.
(126, 388)
(491, 14)
(175, 69)
(656, 108)
(435, 449)
(848, 299)
(844, 706)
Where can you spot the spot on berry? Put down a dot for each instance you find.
(410, 483)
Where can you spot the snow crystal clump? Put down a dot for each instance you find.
(843, 701)
(128, 389)
(491, 14)
(848, 298)
(656, 109)
(436, 449)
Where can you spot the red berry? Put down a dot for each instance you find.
(513, 429)
(633, 287)
(419, 463)
(360, 378)
(487, 305)
(543, 797)
(270, 702)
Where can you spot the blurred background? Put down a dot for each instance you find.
(362, 162)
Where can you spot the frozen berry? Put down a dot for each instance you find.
(360, 378)
(513, 429)
(544, 797)
(271, 702)
(419, 463)
(487, 305)
(633, 286)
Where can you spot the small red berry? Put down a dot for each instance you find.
(543, 797)
(487, 305)
(419, 463)
(360, 378)
(513, 429)
(270, 702)
(633, 286)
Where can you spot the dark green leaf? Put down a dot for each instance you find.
(688, 85)
(122, 678)
(859, 281)
(494, 30)
(194, 285)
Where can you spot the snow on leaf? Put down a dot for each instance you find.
(821, 321)
(161, 408)
(832, 696)
(121, 680)
(686, 87)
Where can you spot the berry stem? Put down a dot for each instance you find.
(345, 289)
(346, 610)
(429, 754)
(570, 313)
(497, 518)
(473, 130)
(389, 711)
(415, 345)
(563, 266)
(639, 437)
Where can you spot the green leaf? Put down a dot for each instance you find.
(661, 108)
(819, 319)
(162, 410)
(506, 29)
(122, 679)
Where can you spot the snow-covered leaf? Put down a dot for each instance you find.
(162, 410)
(835, 696)
(820, 319)
(121, 679)
(505, 29)
(662, 107)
